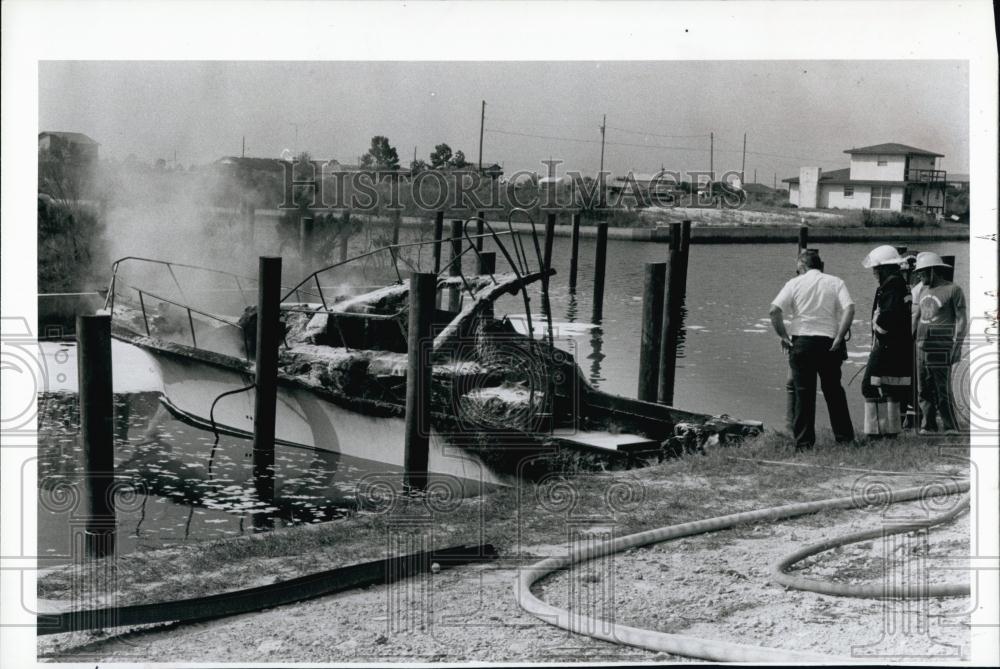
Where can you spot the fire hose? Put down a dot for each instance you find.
(707, 649)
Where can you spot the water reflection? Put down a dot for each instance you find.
(571, 307)
(177, 483)
(596, 353)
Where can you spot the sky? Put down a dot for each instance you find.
(659, 113)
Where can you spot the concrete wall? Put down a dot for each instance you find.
(835, 198)
(809, 187)
(793, 194)
(866, 168)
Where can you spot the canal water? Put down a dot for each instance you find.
(183, 484)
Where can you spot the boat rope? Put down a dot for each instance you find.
(690, 646)
(215, 430)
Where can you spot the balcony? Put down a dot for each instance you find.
(927, 176)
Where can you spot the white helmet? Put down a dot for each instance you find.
(883, 255)
(927, 259)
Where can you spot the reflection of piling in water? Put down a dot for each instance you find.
(438, 237)
(948, 272)
(480, 229)
(596, 353)
(803, 238)
(423, 287)
(574, 252)
(600, 260)
(266, 374)
(571, 308)
(652, 324)
(251, 212)
(97, 430)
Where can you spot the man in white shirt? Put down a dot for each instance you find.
(821, 312)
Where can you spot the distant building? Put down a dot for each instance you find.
(67, 147)
(252, 164)
(887, 177)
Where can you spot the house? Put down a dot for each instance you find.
(247, 164)
(887, 177)
(67, 146)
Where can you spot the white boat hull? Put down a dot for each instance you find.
(306, 420)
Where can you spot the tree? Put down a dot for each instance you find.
(381, 155)
(458, 160)
(417, 166)
(441, 157)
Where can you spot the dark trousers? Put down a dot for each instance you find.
(934, 387)
(811, 357)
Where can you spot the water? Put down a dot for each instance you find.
(729, 359)
(192, 488)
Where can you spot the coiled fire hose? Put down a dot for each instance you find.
(689, 646)
(877, 591)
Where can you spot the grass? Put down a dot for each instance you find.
(519, 519)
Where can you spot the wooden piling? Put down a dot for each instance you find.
(345, 234)
(266, 374)
(93, 334)
(803, 238)
(455, 267)
(652, 329)
(685, 250)
(487, 263)
(397, 221)
(488, 267)
(438, 236)
(574, 252)
(251, 214)
(550, 233)
(600, 260)
(948, 272)
(305, 242)
(670, 328)
(416, 445)
(480, 229)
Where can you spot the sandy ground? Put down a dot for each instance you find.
(713, 586)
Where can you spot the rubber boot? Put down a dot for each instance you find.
(889, 421)
(872, 413)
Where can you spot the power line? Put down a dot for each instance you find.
(597, 141)
(653, 134)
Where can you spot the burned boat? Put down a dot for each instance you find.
(503, 402)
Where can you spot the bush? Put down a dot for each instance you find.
(69, 246)
(894, 219)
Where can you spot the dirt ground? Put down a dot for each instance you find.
(712, 586)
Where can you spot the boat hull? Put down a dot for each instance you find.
(195, 391)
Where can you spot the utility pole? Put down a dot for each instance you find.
(755, 175)
(600, 174)
(482, 122)
(244, 153)
(775, 181)
(743, 165)
(711, 155)
(414, 155)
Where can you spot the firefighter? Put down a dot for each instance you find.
(939, 321)
(887, 379)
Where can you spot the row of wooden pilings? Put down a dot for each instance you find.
(664, 294)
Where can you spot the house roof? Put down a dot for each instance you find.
(265, 164)
(843, 177)
(893, 148)
(72, 137)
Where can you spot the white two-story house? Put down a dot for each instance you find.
(889, 177)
